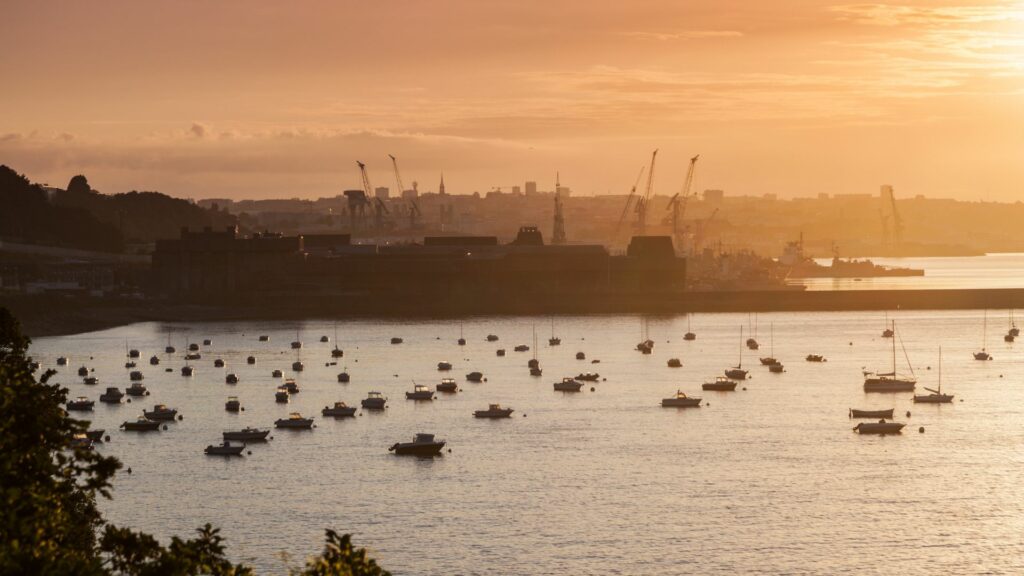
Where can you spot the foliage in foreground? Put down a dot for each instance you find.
(49, 520)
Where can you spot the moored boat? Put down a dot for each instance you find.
(161, 412)
(448, 385)
(231, 378)
(232, 405)
(854, 413)
(493, 411)
(720, 384)
(588, 376)
(680, 400)
(568, 385)
(225, 449)
(281, 395)
(142, 424)
(444, 366)
(112, 396)
(675, 363)
(247, 434)
(81, 404)
(339, 410)
(881, 427)
(136, 389)
(374, 401)
(343, 377)
(421, 445)
(294, 421)
(936, 396)
(475, 377)
(420, 392)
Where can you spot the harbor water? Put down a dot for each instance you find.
(768, 479)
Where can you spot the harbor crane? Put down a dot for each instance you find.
(629, 202)
(643, 203)
(702, 228)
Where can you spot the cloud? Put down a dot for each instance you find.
(684, 35)
(901, 15)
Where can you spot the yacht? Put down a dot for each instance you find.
(936, 396)
(568, 385)
(776, 368)
(493, 411)
(689, 333)
(225, 449)
(770, 359)
(448, 385)
(554, 340)
(421, 445)
(160, 412)
(232, 405)
(294, 420)
(420, 392)
(247, 434)
(890, 381)
(374, 401)
(720, 384)
(112, 396)
(81, 403)
(680, 400)
(339, 410)
(142, 424)
(136, 389)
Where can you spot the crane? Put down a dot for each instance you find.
(897, 222)
(642, 205)
(702, 227)
(629, 201)
(398, 176)
(414, 214)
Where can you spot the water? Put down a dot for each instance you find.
(768, 480)
(1000, 270)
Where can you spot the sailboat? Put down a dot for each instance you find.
(887, 333)
(770, 360)
(187, 369)
(297, 343)
(646, 345)
(1013, 332)
(689, 333)
(737, 372)
(752, 341)
(890, 381)
(553, 341)
(169, 349)
(130, 363)
(462, 340)
(337, 352)
(983, 355)
(936, 396)
(534, 364)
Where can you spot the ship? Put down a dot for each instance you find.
(802, 266)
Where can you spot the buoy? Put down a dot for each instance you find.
(908, 413)
(180, 417)
(129, 401)
(485, 379)
(449, 450)
(961, 399)
(921, 429)
(129, 470)
(744, 388)
(707, 403)
(591, 388)
(851, 343)
(147, 392)
(250, 452)
(604, 379)
(107, 437)
(524, 414)
(243, 408)
(271, 437)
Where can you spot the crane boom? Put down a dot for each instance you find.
(629, 201)
(641, 220)
(398, 176)
(366, 180)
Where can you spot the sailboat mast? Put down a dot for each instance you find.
(894, 349)
(940, 370)
(740, 365)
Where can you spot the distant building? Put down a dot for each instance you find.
(823, 196)
(517, 190)
(714, 196)
(531, 188)
(382, 192)
(410, 194)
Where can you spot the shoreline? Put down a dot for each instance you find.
(57, 316)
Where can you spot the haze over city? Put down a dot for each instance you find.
(265, 99)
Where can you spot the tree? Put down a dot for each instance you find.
(79, 185)
(49, 520)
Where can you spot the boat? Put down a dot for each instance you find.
(521, 348)
(421, 445)
(462, 340)
(231, 378)
(444, 366)
(112, 396)
(193, 347)
(494, 411)
(737, 372)
(475, 377)
(675, 363)
(680, 400)
(136, 389)
(298, 366)
(888, 332)
(554, 340)
(296, 344)
(581, 356)
(187, 370)
(1014, 331)
(295, 421)
(689, 333)
(142, 424)
(568, 385)
(891, 381)
(448, 385)
(336, 352)
(720, 384)
(264, 338)
(752, 341)
(339, 410)
(374, 401)
(250, 360)
(62, 361)
(169, 349)
(881, 427)
(281, 394)
(91, 380)
(81, 403)
(536, 371)
(232, 405)
(154, 360)
(492, 338)
(588, 376)
(983, 355)
(133, 353)
(218, 363)
(247, 434)
(815, 358)
(936, 396)
(646, 345)
(324, 338)
(160, 412)
(130, 364)
(225, 449)
(343, 377)
(193, 356)
(276, 374)
(396, 340)
(81, 442)
(83, 371)
(207, 342)
(854, 413)
(499, 352)
(290, 386)
(770, 359)
(776, 368)
(420, 392)
(135, 376)
(95, 435)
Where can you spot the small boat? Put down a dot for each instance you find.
(680, 400)
(461, 341)
(396, 340)
(298, 366)
(522, 348)
(187, 370)
(983, 355)
(91, 380)
(247, 434)
(770, 359)
(250, 360)
(675, 363)
(475, 377)
(881, 427)
(62, 361)
(936, 396)
(264, 338)
(154, 360)
(815, 358)
(888, 332)
(130, 364)
(225, 449)
(193, 356)
(890, 381)
(645, 347)
(290, 386)
(281, 394)
(324, 338)
(142, 424)
(337, 352)
(776, 368)
(720, 384)
(339, 410)
(193, 347)
(294, 420)
(581, 356)
(871, 413)
(493, 411)
(135, 376)
(207, 342)
(448, 385)
(231, 378)
(296, 345)
(533, 363)
(588, 376)
(554, 340)
(112, 396)
(568, 385)
(276, 374)
(536, 371)
(160, 412)
(95, 435)
(1009, 338)
(81, 403)
(170, 349)
(421, 445)
(136, 389)
(752, 344)
(444, 366)
(737, 372)
(420, 392)
(232, 405)
(81, 442)
(343, 377)
(492, 338)
(499, 352)
(689, 333)
(83, 371)
(218, 363)
(374, 401)
(133, 353)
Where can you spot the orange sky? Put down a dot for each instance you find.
(264, 98)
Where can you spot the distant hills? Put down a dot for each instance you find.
(82, 218)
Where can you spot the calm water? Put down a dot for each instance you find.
(768, 480)
(990, 271)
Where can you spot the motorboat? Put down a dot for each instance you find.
(420, 392)
(83, 371)
(536, 371)
(680, 400)
(232, 405)
(207, 342)
(645, 347)
(493, 411)
(296, 345)
(91, 380)
(187, 370)
(193, 347)
(448, 385)
(218, 363)
(339, 410)
(133, 353)
(142, 424)
(247, 434)
(492, 338)
(231, 378)
(396, 340)
(522, 348)
(154, 360)
(815, 358)
(337, 352)
(581, 356)
(81, 442)
(160, 412)
(720, 384)
(294, 420)
(225, 449)
(554, 341)
(588, 376)
(444, 366)
(983, 355)
(136, 389)
(374, 401)
(193, 356)
(297, 366)
(421, 445)
(1009, 338)
(568, 385)
(881, 427)
(475, 377)
(135, 376)
(281, 394)
(62, 361)
(776, 368)
(112, 396)
(264, 338)
(752, 344)
(81, 404)
(250, 360)
(675, 363)
(276, 374)
(854, 413)
(936, 396)
(343, 377)
(290, 386)
(324, 338)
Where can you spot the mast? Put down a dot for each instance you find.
(772, 338)
(984, 330)
(940, 371)
(894, 349)
(740, 365)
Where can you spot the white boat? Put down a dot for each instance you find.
(680, 400)
(281, 395)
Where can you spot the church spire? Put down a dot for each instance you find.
(441, 189)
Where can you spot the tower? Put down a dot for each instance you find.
(440, 189)
(558, 234)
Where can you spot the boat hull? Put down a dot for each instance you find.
(423, 449)
(934, 399)
(680, 402)
(879, 428)
(871, 413)
(719, 386)
(243, 436)
(507, 413)
(339, 412)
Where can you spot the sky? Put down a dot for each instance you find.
(264, 98)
